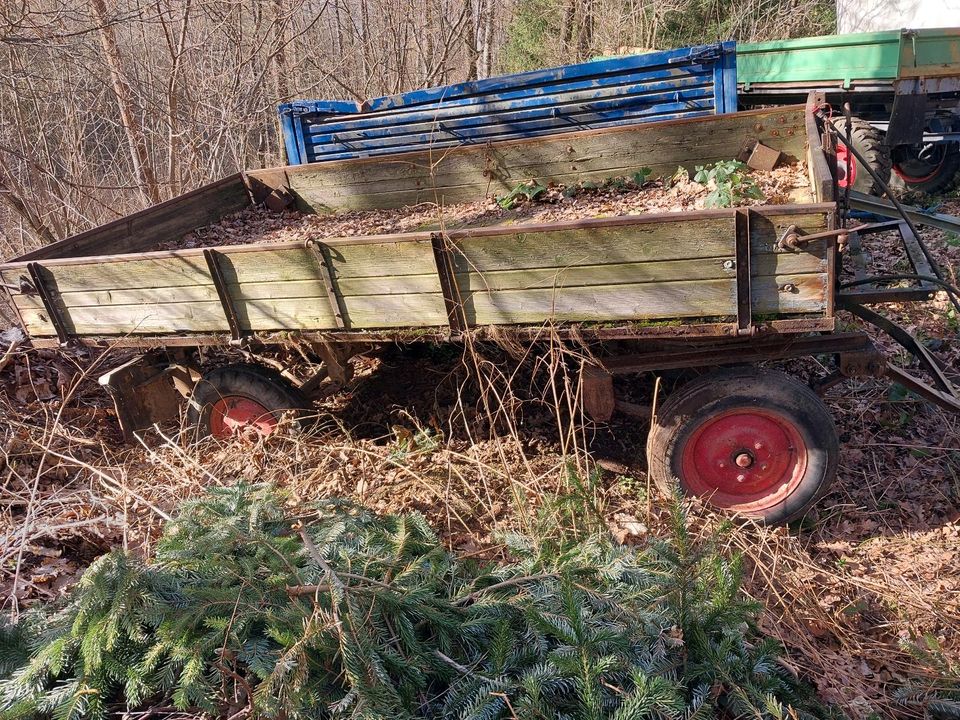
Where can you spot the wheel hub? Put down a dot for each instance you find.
(744, 459)
(235, 415)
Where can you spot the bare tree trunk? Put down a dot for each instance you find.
(176, 47)
(470, 34)
(12, 199)
(487, 13)
(585, 31)
(128, 116)
(280, 72)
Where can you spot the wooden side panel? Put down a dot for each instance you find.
(785, 282)
(146, 229)
(473, 172)
(631, 272)
(600, 271)
(381, 286)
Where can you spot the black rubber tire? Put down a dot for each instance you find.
(940, 179)
(752, 388)
(255, 382)
(868, 141)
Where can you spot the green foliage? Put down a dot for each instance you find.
(525, 191)
(337, 613)
(535, 25)
(619, 183)
(941, 687)
(731, 183)
(641, 176)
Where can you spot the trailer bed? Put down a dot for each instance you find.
(713, 272)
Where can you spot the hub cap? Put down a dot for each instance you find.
(744, 459)
(235, 415)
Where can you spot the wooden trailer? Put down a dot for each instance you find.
(693, 289)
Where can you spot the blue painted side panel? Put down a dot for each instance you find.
(688, 82)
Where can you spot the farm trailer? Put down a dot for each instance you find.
(703, 289)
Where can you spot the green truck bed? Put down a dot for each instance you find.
(850, 61)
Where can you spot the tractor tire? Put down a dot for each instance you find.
(928, 169)
(244, 400)
(747, 440)
(868, 141)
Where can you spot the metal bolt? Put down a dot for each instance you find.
(788, 287)
(764, 466)
(758, 446)
(741, 478)
(721, 464)
(744, 460)
(729, 264)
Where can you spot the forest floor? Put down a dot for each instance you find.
(475, 441)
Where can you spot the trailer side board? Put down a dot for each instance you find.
(642, 268)
(473, 172)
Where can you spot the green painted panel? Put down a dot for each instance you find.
(830, 58)
(931, 53)
(849, 59)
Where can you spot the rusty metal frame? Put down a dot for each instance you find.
(322, 254)
(740, 350)
(223, 292)
(718, 332)
(448, 283)
(873, 293)
(744, 278)
(49, 303)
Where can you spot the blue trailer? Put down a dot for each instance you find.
(683, 83)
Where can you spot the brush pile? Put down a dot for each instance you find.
(249, 609)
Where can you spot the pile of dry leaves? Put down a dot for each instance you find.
(619, 196)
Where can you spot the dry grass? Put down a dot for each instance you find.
(476, 438)
(476, 442)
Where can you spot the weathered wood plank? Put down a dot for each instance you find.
(361, 312)
(596, 246)
(167, 221)
(589, 275)
(397, 285)
(703, 298)
(387, 311)
(808, 295)
(472, 172)
(267, 265)
(34, 316)
(383, 259)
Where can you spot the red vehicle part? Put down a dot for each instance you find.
(744, 459)
(238, 415)
(750, 440)
(245, 400)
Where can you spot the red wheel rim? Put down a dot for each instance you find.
(237, 415)
(744, 459)
(846, 166)
(914, 179)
